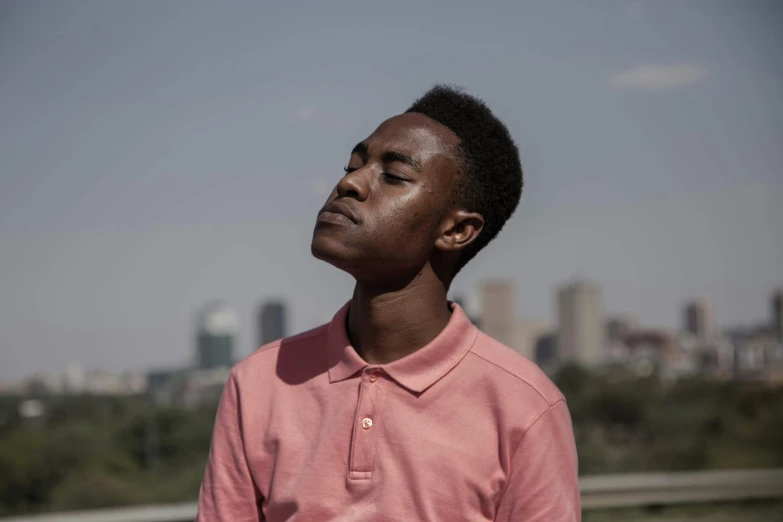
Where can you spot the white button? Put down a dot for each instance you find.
(373, 376)
(366, 423)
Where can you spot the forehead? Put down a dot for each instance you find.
(414, 134)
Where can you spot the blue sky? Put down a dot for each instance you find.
(155, 155)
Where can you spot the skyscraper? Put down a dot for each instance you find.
(777, 314)
(546, 352)
(271, 322)
(528, 334)
(467, 308)
(699, 319)
(581, 336)
(217, 329)
(620, 326)
(497, 311)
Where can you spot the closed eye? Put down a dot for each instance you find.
(391, 179)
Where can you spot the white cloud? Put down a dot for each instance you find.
(658, 77)
(305, 113)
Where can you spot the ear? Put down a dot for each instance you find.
(458, 230)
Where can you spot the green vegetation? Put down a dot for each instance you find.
(624, 424)
(90, 452)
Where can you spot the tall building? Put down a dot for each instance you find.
(620, 326)
(546, 352)
(498, 311)
(271, 322)
(528, 334)
(699, 318)
(777, 314)
(581, 337)
(217, 329)
(466, 305)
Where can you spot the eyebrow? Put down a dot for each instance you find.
(391, 156)
(360, 150)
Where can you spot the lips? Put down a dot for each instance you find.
(338, 208)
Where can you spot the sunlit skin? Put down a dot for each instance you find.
(392, 222)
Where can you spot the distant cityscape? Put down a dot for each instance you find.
(583, 335)
(586, 336)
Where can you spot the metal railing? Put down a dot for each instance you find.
(654, 489)
(598, 492)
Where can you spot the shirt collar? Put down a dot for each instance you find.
(417, 371)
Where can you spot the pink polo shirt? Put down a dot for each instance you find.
(464, 429)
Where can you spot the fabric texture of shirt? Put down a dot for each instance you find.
(463, 429)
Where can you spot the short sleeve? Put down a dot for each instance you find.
(228, 493)
(543, 483)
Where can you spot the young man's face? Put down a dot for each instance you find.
(384, 215)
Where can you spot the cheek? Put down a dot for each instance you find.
(332, 195)
(411, 222)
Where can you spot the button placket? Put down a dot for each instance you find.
(365, 427)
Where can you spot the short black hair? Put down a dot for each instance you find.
(492, 171)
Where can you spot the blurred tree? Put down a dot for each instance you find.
(572, 380)
(22, 470)
(95, 451)
(93, 489)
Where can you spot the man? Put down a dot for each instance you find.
(400, 409)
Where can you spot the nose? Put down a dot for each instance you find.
(354, 185)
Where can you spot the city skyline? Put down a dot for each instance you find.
(492, 306)
(272, 321)
(144, 172)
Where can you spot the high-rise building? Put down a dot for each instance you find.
(581, 336)
(271, 322)
(777, 314)
(466, 305)
(498, 312)
(546, 352)
(217, 329)
(699, 319)
(528, 334)
(620, 326)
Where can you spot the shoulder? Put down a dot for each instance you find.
(514, 370)
(265, 358)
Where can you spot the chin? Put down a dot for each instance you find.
(330, 251)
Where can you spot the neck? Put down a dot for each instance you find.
(385, 325)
